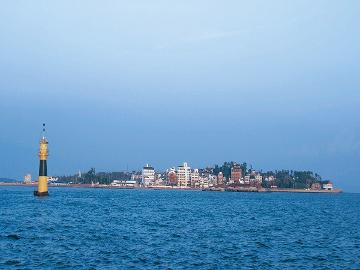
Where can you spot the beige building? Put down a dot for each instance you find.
(220, 178)
(195, 178)
(183, 175)
(258, 178)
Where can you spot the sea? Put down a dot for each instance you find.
(85, 228)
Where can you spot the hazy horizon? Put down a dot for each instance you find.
(120, 84)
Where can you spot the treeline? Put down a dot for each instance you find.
(93, 177)
(282, 178)
(291, 179)
(226, 169)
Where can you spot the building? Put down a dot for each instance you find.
(171, 177)
(270, 179)
(247, 180)
(148, 175)
(236, 173)
(159, 180)
(212, 180)
(183, 175)
(194, 178)
(27, 179)
(204, 181)
(220, 179)
(328, 185)
(258, 178)
(316, 186)
(124, 183)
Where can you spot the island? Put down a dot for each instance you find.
(230, 176)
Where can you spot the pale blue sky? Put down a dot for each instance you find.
(124, 83)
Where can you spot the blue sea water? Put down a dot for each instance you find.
(154, 229)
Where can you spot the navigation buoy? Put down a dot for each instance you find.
(43, 179)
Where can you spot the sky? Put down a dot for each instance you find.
(123, 83)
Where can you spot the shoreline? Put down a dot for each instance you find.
(269, 190)
(214, 189)
(99, 186)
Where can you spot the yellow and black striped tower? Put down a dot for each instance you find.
(43, 179)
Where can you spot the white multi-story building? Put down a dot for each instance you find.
(183, 175)
(148, 175)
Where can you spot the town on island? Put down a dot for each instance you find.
(231, 176)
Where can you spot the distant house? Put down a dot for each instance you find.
(316, 186)
(258, 178)
(328, 185)
(171, 177)
(27, 179)
(123, 183)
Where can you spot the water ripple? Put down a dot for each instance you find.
(153, 229)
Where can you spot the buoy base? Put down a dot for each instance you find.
(41, 194)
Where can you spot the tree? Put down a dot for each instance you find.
(90, 176)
